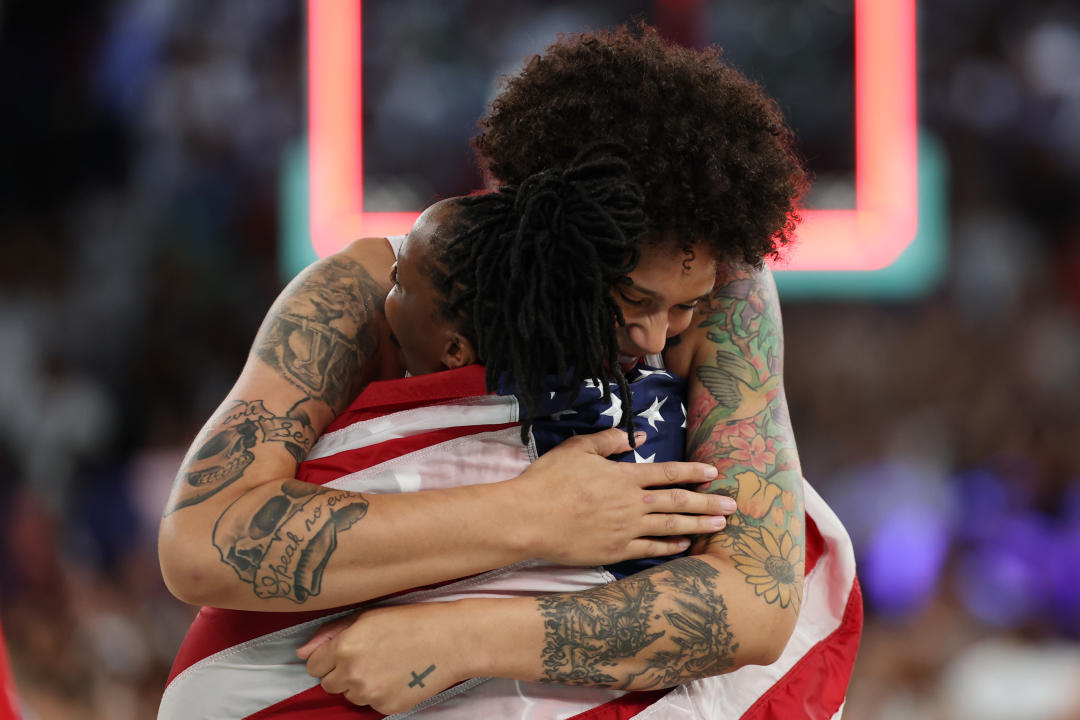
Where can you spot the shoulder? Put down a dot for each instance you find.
(374, 255)
(739, 289)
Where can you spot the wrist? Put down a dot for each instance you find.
(498, 637)
(517, 512)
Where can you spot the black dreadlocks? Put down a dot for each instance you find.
(527, 272)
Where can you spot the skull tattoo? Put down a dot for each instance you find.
(279, 538)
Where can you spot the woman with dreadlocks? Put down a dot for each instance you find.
(495, 278)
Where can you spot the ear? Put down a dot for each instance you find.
(458, 352)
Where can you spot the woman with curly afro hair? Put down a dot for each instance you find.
(721, 189)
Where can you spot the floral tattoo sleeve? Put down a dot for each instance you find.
(738, 421)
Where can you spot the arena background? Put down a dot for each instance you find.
(154, 199)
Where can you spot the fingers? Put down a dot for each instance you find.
(656, 547)
(673, 473)
(325, 633)
(664, 525)
(606, 442)
(320, 662)
(688, 502)
(336, 683)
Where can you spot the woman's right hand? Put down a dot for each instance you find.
(582, 509)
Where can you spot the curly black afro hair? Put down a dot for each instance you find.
(710, 149)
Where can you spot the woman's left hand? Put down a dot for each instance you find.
(390, 658)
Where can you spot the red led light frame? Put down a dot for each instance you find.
(868, 237)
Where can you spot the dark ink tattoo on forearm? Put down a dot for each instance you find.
(591, 631)
(704, 643)
(280, 537)
(604, 637)
(223, 458)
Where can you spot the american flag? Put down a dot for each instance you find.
(443, 430)
(9, 702)
(659, 411)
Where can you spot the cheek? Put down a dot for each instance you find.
(678, 322)
(392, 308)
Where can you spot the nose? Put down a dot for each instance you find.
(650, 336)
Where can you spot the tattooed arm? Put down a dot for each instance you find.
(734, 602)
(739, 423)
(317, 346)
(313, 352)
(240, 532)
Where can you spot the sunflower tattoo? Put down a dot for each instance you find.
(774, 567)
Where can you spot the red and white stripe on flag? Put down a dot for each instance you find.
(441, 430)
(9, 702)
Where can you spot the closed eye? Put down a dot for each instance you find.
(393, 274)
(630, 300)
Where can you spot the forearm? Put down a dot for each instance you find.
(290, 545)
(681, 621)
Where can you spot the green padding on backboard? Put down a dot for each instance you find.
(917, 271)
(295, 251)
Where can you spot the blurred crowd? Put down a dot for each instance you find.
(139, 162)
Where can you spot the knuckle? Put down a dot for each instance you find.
(614, 549)
(575, 440)
(671, 523)
(357, 697)
(391, 708)
(679, 498)
(671, 471)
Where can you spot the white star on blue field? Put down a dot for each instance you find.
(657, 406)
(658, 399)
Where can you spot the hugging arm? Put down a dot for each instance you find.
(240, 532)
(739, 423)
(736, 599)
(732, 603)
(318, 344)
